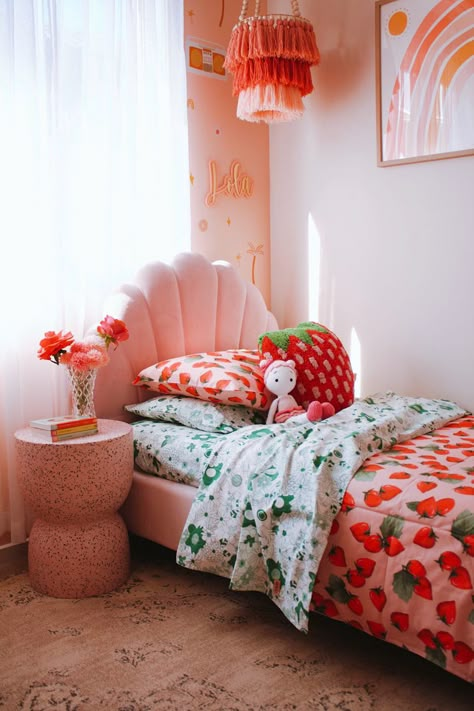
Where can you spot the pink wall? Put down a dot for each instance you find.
(384, 256)
(233, 229)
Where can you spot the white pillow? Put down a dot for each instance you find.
(196, 413)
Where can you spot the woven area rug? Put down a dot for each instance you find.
(175, 639)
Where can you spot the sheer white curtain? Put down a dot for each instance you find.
(93, 183)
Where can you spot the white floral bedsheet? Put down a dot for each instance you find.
(173, 452)
(269, 494)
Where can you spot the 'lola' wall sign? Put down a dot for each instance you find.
(235, 184)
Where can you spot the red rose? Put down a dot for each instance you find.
(54, 344)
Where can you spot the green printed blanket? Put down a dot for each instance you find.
(269, 494)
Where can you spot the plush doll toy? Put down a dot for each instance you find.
(280, 379)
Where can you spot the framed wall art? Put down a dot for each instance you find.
(424, 80)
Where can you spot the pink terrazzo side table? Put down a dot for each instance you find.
(78, 545)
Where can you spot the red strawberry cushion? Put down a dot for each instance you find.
(323, 365)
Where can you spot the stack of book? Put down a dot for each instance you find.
(58, 429)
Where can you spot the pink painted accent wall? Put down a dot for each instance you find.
(234, 229)
(383, 256)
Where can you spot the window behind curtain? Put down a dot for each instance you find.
(93, 182)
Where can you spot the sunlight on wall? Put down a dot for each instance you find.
(356, 361)
(314, 269)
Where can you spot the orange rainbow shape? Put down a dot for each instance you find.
(462, 55)
(425, 95)
(427, 37)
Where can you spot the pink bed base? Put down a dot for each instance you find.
(157, 509)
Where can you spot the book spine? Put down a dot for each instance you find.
(62, 424)
(76, 423)
(78, 428)
(72, 435)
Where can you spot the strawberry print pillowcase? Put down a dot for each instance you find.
(231, 377)
(322, 364)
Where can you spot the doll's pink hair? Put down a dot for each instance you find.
(269, 366)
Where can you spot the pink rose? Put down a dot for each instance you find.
(112, 330)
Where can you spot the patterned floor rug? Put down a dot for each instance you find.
(173, 639)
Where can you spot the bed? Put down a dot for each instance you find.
(392, 558)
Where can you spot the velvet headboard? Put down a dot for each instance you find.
(189, 306)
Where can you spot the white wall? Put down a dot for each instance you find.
(387, 253)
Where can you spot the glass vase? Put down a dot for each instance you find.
(82, 388)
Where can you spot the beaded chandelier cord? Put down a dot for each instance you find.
(270, 57)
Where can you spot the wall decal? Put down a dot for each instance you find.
(216, 133)
(255, 252)
(235, 184)
(204, 57)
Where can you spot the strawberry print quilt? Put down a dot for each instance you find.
(269, 495)
(399, 563)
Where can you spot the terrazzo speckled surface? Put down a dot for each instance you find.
(78, 544)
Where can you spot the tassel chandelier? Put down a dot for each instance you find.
(270, 57)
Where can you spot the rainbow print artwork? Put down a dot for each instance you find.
(427, 78)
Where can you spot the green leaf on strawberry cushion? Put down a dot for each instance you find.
(281, 339)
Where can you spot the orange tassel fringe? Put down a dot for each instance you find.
(273, 71)
(260, 37)
(271, 59)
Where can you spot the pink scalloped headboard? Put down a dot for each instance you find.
(189, 306)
